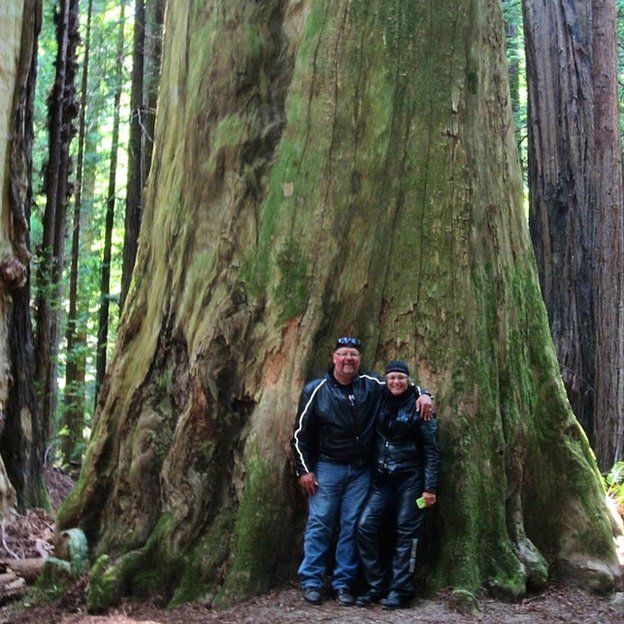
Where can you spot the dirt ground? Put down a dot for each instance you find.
(557, 604)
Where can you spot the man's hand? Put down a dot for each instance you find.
(424, 405)
(430, 498)
(308, 483)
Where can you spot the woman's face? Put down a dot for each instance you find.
(397, 383)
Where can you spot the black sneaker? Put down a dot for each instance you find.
(367, 598)
(344, 597)
(394, 601)
(312, 595)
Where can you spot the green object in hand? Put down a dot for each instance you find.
(420, 502)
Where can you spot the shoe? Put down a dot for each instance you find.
(367, 598)
(394, 601)
(344, 597)
(312, 595)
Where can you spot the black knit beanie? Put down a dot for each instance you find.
(397, 366)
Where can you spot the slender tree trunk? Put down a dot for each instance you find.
(73, 413)
(145, 76)
(609, 247)
(561, 178)
(513, 12)
(62, 110)
(154, 16)
(323, 168)
(21, 443)
(135, 151)
(102, 337)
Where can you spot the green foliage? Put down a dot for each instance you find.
(615, 485)
(99, 118)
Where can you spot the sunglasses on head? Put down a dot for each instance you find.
(348, 341)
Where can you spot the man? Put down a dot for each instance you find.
(332, 445)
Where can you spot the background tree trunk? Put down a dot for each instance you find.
(135, 151)
(21, 443)
(561, 179)
(63, 109)
(323, 168)
(73, 413)
(609, 247)
(575, 182)
(102, 336)
(145, 77)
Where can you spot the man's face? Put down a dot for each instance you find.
(346, 361)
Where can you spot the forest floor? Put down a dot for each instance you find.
(555, 605)
(30, 535)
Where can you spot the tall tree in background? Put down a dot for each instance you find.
(63, 109)
(135, 152)
(575, 205)
(324, 167)
(21, 442)
(609, 241)
(73, 412)
(145, 77)
(102, 336)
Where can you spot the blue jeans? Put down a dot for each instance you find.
(340, 496)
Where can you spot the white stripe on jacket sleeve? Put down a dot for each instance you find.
(303, 413)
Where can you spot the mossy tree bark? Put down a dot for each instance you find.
(322, 168)
(21, 443)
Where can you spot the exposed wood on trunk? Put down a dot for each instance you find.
(609, 242)
(561, 184)
(102, 336)
(73, 413)
(62, 110)
(21, 443)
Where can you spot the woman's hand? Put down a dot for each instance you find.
(430, 498)
(424, 405)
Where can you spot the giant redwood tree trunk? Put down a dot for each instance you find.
(21, 440)
(322, 168)
(609, 242)
(561, 182)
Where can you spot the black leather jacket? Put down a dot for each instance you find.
(405, 442)
(329, 427)
(332, 427)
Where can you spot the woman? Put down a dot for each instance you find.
(406, 469)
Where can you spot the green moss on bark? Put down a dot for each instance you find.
(257, 534)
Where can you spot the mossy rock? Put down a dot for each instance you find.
(104, 586)
(464, 601)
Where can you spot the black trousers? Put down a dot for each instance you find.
(400, 491)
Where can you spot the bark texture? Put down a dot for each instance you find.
(609, 241)
(21, 442)
(561, 182)
(322, 168)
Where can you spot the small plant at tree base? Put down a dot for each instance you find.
(615, 485)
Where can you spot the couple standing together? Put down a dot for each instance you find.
(348, 422)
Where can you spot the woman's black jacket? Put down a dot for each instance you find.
(405, 442)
